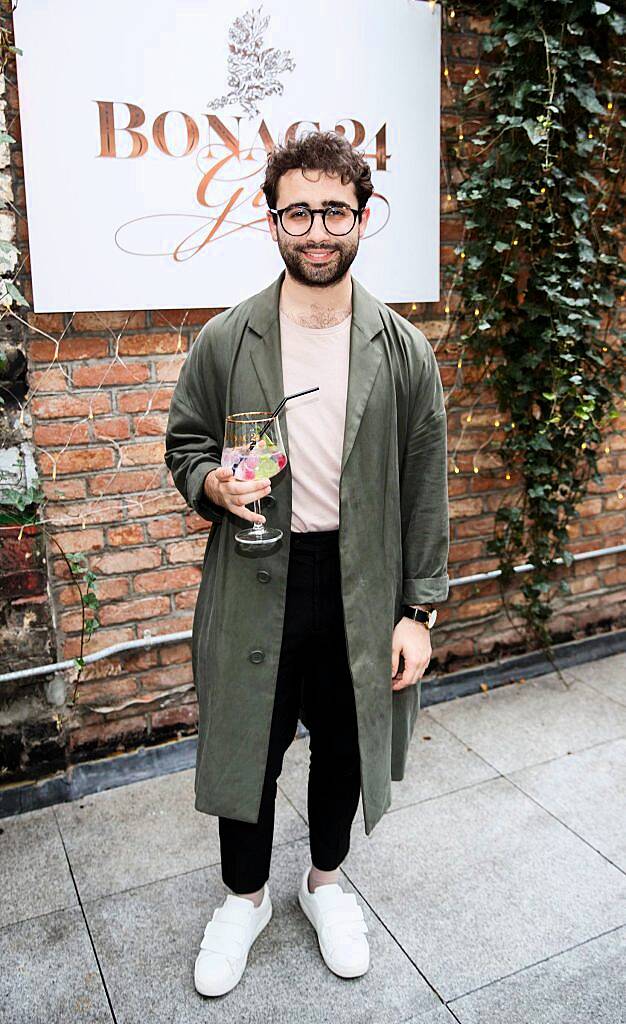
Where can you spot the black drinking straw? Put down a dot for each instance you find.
(272, 417)
(277, 410)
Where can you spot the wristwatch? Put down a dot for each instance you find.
(427, 618)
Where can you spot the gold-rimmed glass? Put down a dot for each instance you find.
(254, 461)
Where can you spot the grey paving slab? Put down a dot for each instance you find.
(148, 938)
(35, 876)
(439, 1016)
(607, 676)
(147, 830)
(522, 724)
(587, 792)
(437, 763)
(482, 882)
(585, 985)
(49, 972)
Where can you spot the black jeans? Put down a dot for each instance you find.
(314, 666)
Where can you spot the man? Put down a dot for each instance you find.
(317, 625)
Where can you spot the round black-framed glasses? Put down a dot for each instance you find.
(296, 219)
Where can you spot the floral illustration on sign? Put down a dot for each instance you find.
(252, 70)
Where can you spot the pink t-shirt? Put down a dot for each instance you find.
(315, 357)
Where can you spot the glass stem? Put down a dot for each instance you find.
(258, 527)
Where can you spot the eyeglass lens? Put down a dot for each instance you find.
(338, 220)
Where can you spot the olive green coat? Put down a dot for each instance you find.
(393, 539)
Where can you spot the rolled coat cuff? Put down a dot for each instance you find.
(427, 591)
(196, 497)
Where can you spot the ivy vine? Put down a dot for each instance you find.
(538, 152)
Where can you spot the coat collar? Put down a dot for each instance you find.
(365, 356)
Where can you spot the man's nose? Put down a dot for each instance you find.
(318, 232)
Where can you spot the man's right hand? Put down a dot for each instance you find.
(221, 487)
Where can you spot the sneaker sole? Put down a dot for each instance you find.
(259, 928)
(328, 960)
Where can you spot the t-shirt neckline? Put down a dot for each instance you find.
(316, 331)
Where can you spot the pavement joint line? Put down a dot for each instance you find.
(600, 693)
(533, 764)
(395, 939)
(86, 922)
(535, 963)
(87, 900)
(565, 825)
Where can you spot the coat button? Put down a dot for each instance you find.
(256, 656)
(268, 501)
(264, 575)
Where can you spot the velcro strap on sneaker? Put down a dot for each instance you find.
(333, 937)
(341, 915)
(222, 937)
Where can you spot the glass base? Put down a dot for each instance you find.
(269, 535)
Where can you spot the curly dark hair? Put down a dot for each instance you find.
(319, 151)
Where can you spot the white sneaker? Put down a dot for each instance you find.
(226, 942)
(340, 926)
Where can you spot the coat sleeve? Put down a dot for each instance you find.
(193, 445)
(424, 487)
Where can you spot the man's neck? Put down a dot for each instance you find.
(316, 307)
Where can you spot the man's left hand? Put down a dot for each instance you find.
(412, 640)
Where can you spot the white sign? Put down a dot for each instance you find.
(146, 128)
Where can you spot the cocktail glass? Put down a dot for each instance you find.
(254, 453)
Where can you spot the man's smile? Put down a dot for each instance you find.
(319, 255)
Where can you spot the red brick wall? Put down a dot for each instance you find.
(98, 409)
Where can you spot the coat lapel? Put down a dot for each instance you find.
(365, 355)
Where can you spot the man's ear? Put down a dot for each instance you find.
(272, 226)
(365, 216)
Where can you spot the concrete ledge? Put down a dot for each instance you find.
(179, 755)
